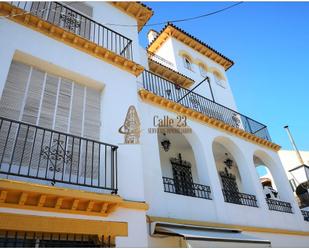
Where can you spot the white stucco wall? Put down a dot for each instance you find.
(170, 51)
(290, 160)
(216, 210)
(117, 85)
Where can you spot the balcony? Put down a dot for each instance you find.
(177, 94)
(159, 59)
(280, 206)
(186, 188)
(67, 25)
(239, 198)
(51, 157)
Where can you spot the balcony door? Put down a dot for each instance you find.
(230, 188)
(72, 16)
(54, 103)
(182, 176)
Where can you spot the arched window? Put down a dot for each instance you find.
(203, 70)
(219, 79)
(187, 63)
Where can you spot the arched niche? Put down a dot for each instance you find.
(265, 168)
(227, 167)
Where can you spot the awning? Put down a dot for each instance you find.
(209, 234)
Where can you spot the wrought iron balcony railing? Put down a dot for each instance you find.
(29, 151)
(192, 100)
(280, 206)
(186, 188)
(239, 198)
(79, 24)
(19, 239)
(305, 214)
(159, 59)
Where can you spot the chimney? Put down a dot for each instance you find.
(294, 145)
(152, 34)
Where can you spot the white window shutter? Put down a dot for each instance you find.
(92, 114)
(49, 101)
(32, 103)
(64, 104)
(77, 110)
(14, 90)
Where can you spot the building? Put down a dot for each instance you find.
(102, 143)
(297, 171)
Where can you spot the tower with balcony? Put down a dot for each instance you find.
(206, 177)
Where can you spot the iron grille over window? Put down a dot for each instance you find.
(34, 239)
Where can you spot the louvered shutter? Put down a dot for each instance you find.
(10, 106)
(43, 99)
(64, 105)
(92, 109)
(48, 108)
(13, 93)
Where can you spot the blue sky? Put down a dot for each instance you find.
(269, 43)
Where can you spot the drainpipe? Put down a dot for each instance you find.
(294, 145)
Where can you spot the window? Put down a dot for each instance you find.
(187, 63)
(39, 239)
(219, 80)
(50, 101)
(203, 71)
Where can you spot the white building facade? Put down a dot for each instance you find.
(82, 159)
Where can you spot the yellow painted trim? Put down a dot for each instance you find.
(135, 205)
(33, 223)
(199, 63)
(30, 196)
(219, 74)
(180, 109)
(169, 74)
(57, 70)
(231, 226)
(170, 31)
(136, 10)
(187, 55)
(70, 39)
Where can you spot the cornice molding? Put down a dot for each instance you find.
(30, 196)
(178, 108)
(137, 10)
(172, 31)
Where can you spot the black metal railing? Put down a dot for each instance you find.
(40, 239)
(305, 214)
(186, 188)
(239, 198)
(167, 89)
(159, 59)
(29, 151)
(280, 206)
(65, 17)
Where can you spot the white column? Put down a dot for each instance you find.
(214, 181)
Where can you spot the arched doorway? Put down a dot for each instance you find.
(228, 171)
(178, 166)
(266, 169)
